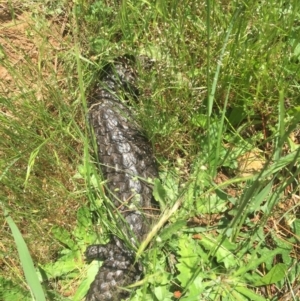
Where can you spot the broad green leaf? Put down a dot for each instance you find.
(229, 245)
(159, 278)
(248, 293)
(196, 288)
(296, 225)
(171, 229)
(85, 284)
(213, 204)
(280, 164)
(162, 293)
(170, 182)
(83, 217)
(64, 237)
(63, 266)
(222, 253)
(233, 295)
(264, 252)
(199, 120)
(82, 235)
(159, 193)
(285, 247)
(277, 273)
(140, 294)
(253, 264)
(188, 259)
(260, 197)
(26, 261)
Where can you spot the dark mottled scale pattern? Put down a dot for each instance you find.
(126, 161)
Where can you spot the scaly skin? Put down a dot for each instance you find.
(126, 161)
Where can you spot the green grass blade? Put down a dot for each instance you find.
(281, 126)
(213, 88)
(26, 261)
(220, 134)
(218, 69)
(31, 161)
(248, 293)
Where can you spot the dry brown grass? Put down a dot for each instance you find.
(35, 83)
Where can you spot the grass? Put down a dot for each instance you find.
(220, 105)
